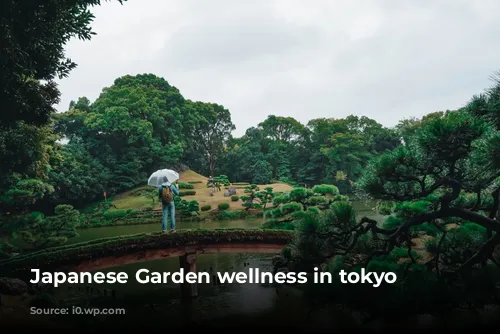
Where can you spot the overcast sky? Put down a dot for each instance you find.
(385, 59)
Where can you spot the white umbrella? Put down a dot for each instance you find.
(157, 177)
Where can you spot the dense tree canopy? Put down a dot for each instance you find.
(33, 35)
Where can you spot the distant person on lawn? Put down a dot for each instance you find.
(211, 185)
(166, 192)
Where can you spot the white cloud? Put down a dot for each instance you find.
(383, 59)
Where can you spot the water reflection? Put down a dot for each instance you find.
(149, 301)
(363, 208)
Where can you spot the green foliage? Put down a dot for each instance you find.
(223, 206)
(193, 206)
(123, 217)
(39, 231)
(281, 199)
(235, 198)
(444, 182)
(263, 172)
(218, 182)
(385, 208)
(291, 207)
(223, 179)
(206, 207)
(449, 138)
(326, 189)
(195, 182)
(312, 154)
(462, 243)
(26, 193)
(287, 180)
(277, 225)
(112, 214)
(28, 88)
(186, 208)
(318, 200)
(300, 194)
(212, 127)
(232, 215)
(185, 186)
(187, 193)
(255, 198)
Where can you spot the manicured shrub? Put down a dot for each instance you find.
(318, 200)
(115, 214)
(224, 180)
(195, 182)
(187, 193)
(281, 199)
(326, 189)
(291, 207)
(234, 198)
(185, 186)
(232, 215)
(206, 207)
(313, 209)
(300, 194)
(223, 206)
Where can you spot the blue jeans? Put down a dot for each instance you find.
(168, 209)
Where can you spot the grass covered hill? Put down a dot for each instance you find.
(139, 198)
(142, 206)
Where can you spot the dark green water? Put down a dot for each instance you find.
(214, 301)
(362, 209)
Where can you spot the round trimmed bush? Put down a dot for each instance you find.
(234, 198)
(206, 207)
(223, 206)
(326, 189)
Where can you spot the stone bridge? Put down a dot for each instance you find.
(111, 252)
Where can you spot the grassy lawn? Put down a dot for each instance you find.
(128, 200)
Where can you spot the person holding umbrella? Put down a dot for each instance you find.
(166, 192)
(163, 179)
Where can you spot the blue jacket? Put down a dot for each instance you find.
(172, 187)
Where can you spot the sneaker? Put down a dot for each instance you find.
(164, 231)
(173, 231)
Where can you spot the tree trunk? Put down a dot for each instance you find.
(211, 161)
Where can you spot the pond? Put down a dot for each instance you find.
(162, 302)
(364, 208)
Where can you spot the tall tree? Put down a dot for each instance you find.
(282, 129)
(212, 130)
(33, 35)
